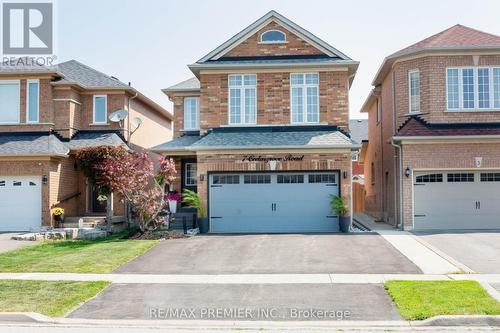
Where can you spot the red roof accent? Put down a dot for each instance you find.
(456, 36)
(418, 127)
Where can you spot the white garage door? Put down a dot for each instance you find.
(272, 202)
(457, 200)
(20, 203)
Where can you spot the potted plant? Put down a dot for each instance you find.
(193, 200)
(58, 216)
(173, 199)
(339, 208)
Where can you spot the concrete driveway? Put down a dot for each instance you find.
(7, 244)
(272, 254)
(240, 302)
(480, 251)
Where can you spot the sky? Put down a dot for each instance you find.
(150, 42)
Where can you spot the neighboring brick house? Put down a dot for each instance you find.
(261, 131)
(433, 159)
(48, 113)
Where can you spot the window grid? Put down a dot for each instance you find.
(414, 85)
(304, 97)
(322, 178)
(257, 179)
(430, 178)
(242, 99)
(469, 88)
(483, 87)
(290, 179)
(226, 179)
(191, 113)
(2, 182)
(190, 174)
(496, 88)
(460, 177)
(32, 101)
(490, 177)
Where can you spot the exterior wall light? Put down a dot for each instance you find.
(344, 174)
(45, 179)
(407, 172)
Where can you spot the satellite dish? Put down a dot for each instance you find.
(118, 116)
(136, 122)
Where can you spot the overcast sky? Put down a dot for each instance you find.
(150, 42)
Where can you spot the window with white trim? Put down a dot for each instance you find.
(273, 36)
(191, 113)
(32, 101)
(242, 99)
(470, 88)
(414, 91)
(100, 113)
(304, 98)
(9, 102)
(190, 174)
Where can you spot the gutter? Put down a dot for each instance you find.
(446, 137)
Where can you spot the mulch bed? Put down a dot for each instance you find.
(154, 235)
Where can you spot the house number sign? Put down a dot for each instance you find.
(285, 158)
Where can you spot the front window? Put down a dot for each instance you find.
(9, 102)
(304, 97)
(190, 174)
(100, 109)
(243, 99)
(473, 88)
(192, 113)
(414, 85)
(32, 98)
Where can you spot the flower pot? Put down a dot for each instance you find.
(172, 205)
(344, 224)
(59, 220)
(203, 225)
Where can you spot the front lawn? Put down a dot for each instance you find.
(75, 256)
(51, 298)
(417, 300)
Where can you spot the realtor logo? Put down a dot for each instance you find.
(28, 28)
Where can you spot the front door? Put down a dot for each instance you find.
(95, 205)
(189, 175)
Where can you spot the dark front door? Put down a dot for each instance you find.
(189, 174)
(96, 206)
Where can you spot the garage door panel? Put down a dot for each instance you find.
(277, 206)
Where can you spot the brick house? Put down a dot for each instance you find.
(48, 113)
(261, 131)
(433, 158)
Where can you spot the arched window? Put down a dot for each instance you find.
(273, 36)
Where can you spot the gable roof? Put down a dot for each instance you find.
(261, 22)
(192, 84)
(455, 38)
(74, 72)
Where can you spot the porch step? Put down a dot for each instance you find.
(186, 214)
(88, 221)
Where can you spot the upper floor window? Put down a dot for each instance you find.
(414, 91)
(100, 113)
(273, 36)
(9, 102)
(470, 88)
(191, 113)
(242, 99)
(32, 101)
(304, 97)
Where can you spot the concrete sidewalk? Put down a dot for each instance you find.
(425, 257)
(247, 278)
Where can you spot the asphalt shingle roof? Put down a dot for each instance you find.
(359, 129)
(189, 84)
(95, 139)
(43, 143)
(85, 76)
(416, 126)
(273, 137)
(178, 143)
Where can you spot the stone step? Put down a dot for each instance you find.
(88, 221)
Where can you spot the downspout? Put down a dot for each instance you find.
(128, 208)
(400, 196)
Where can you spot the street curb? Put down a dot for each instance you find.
(441, 321)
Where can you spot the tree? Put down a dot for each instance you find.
(131, 175)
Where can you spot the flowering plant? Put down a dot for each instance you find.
(58, 211)
(174, 197)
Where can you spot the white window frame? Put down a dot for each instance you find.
(18, 82)
(304, 87)
(414, 71)
(105, 122)
(28, 102)
(186, 128)
(242, 101)
(273, 42)
(476, 107)
(186, 174)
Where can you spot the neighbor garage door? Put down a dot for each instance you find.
(456, 200)
(20, 203)
(272, 202)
